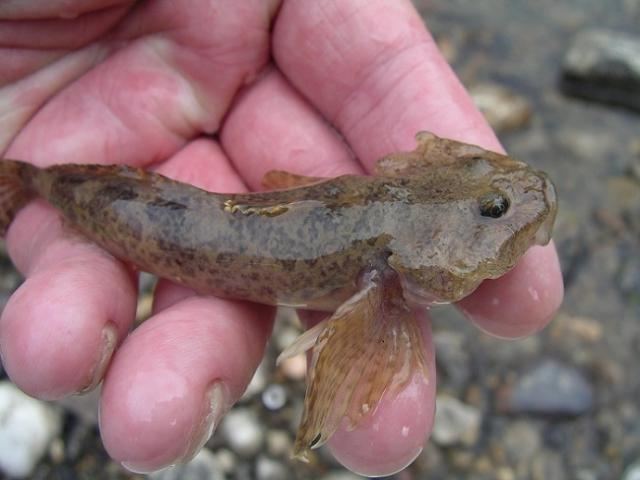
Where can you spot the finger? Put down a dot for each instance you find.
(271, 127)
(57, 33)
(34, 9)
(177, 374)
(385, 84)
(382, 86)
(65, 295)
(533, 290)
(60, 328)
(287, 133)
(175, 377)
(159, 86)
(394, 435)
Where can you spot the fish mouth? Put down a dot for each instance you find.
(543, 234)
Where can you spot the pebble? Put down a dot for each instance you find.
(226, 460)
(294, 368)
(144, 307)
(453, 359)
(632, 472)
(505, 473)
(455, 422)
(270, 469)
(286, 336)
(604, 65)
(340, 475)
(548, 465)
(629, 277)
(279, 443)
(274, 397)
(203, 466)
(241, 428)
(27, 428)
(430, 460)
(585, 329)
(84, 406)
(504, 109)
(521, 441)
(634, 168)
(551, 388)
(258, 381)
(146, 285)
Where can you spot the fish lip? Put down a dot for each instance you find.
(543, 234)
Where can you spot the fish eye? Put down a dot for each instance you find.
(494, 205)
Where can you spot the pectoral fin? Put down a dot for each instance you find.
(372, 345)
(280, 180)
(431, 150)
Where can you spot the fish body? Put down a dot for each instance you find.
(428, 227)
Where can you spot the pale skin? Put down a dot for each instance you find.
(144, 87)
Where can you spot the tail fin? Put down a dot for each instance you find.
(15, 189)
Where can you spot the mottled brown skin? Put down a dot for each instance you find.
(428, 227)
(306, 246)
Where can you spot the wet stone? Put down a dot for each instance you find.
(270, 469)
(629, 277)
(504, 109)
(203, 466)
(258, 381)
(548, 466)
(274, 397)
(242, 429)
(85, 406)
(583, 329)
(226, 460)
(341, 475)
(632, 472)
(551, 388)
(453, 359)
(294, 368)
(604, 66)
(279, 443)
(521, 441)
(27, 428)
(634, 169)
(285, 336)
(455, 422)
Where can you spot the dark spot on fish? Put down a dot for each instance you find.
(310, 262)
(189, 271)
(72, 179)
(224, 259)
(288, 265)
(164, 203)
(117, 192)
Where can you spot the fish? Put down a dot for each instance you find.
(427, 227)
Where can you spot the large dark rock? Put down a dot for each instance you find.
(604, 66)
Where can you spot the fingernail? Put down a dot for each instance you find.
(108, 341)
(217, 404)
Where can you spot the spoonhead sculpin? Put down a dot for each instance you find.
(427, 227)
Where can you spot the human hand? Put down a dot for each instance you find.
(142, 84)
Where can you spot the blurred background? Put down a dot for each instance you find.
(560, 83)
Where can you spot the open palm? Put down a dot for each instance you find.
(215, 94)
